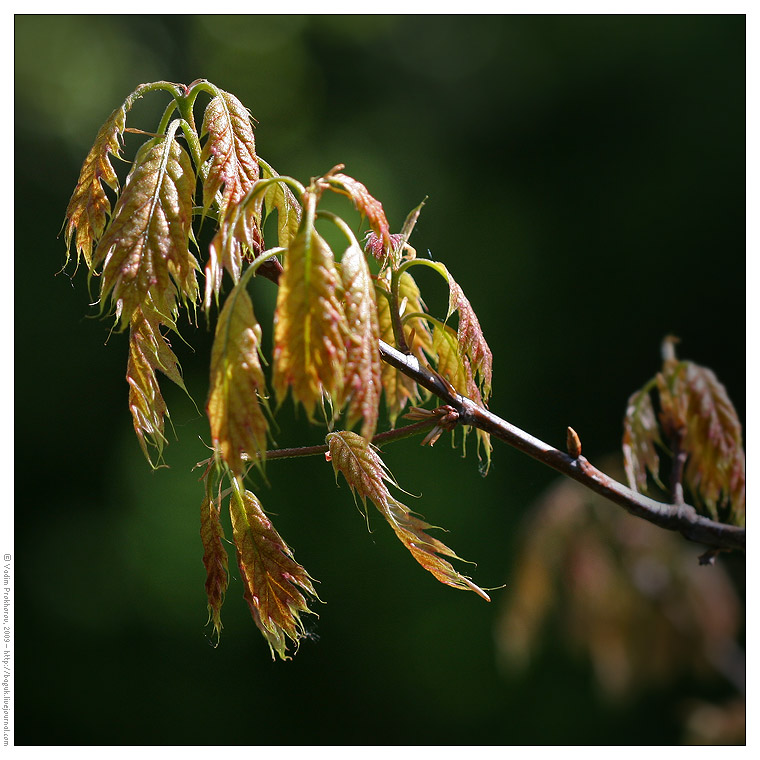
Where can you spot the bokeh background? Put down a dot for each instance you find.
(585, 181)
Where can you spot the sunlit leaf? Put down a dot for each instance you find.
(365, 203)
(310, 323)
(470, 337)
(274, 582)
(149, 351)
(640, 434)
(230, 150)
(279, 197)
(237, 387)
(215, 560)
(145, 248)
(89, 204)
(362, 377)
(366, 474)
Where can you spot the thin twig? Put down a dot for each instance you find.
(678, 517)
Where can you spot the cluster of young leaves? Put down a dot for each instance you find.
(696, 424)
(331, 312)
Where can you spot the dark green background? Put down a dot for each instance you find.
(586, 188)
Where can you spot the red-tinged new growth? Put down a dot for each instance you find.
(215, 560)
(310, 323)
(366, 474)
(363, 384)
(274, 582)
(149, 351)
(144, 251)
(89, 205)
(697, 421)
(237, 385)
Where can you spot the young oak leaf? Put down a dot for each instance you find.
(279, 197)
(215, 560)
(363, 383)
(145, 251)
(695, 405)
(640, 434)
(230, 150)
(470, 337)
(274, 582)
(310, 323)
(149, 351)
(365, 203)
(89, 205)
(366, 475)
(234, 407)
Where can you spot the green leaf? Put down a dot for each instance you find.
(238, 387)
(274, 582)
(279, 197)
(640, 434)
(145, 249)
(89, 205)
(366, 474)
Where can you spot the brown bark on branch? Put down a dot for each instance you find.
(682, 518)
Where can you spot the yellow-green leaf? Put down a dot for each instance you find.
(215, 560)
(640, 434)
(89, 204)
(274, 582)
(366, 474)
(149, 351)
(145, 249)
(362, 377)
(237, 389)
(310, 323)
(279, 197)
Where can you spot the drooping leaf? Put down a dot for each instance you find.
(640, 434)
(89, 204)
(694, 402)
(365, 203)
(470, 337)
(215, 560)
(416, 329)
(274, 582)
(279, 197)
(145, 248)
(149, 351)
(230, 150)
(362, 376)
(237, 239)
(237, 387)
(366, 474)
(310, 322)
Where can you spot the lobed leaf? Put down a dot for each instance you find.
(365, 203)
(366, 475)
(230, 151)
(640, 434)
(215, 560)
(144, 251)
(279, 197)
(310, 323)
(470, 337)
(237, 386)
(89, 205)
(363, 384)
(696, 404)
(149, 351)
(274, 582)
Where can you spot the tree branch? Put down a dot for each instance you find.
(682, 518)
